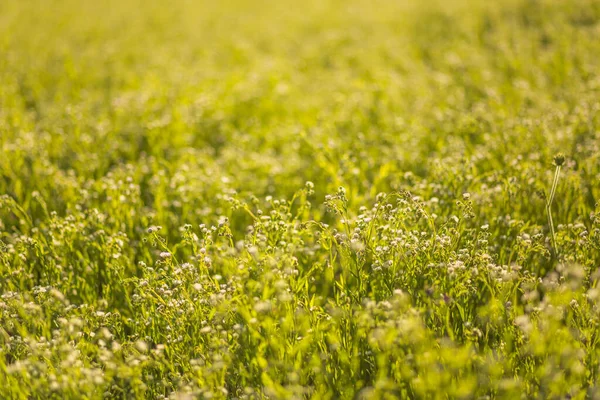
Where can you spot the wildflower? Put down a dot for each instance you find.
(262, 307)
(574, 303)
(141, 346)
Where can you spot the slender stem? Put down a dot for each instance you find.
(554, 183)
(549, 208)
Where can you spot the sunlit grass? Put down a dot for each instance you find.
(326, 199)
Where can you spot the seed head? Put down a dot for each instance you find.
(559, 159)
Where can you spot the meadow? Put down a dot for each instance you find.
(341, 199)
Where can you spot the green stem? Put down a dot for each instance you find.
(549, 209)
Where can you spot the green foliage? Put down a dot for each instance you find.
(339, 199)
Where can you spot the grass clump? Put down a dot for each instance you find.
(250, 200)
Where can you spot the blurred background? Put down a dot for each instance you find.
(260, 96)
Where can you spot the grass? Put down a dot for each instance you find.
(340, 199)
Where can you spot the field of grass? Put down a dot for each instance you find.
(339, 199)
